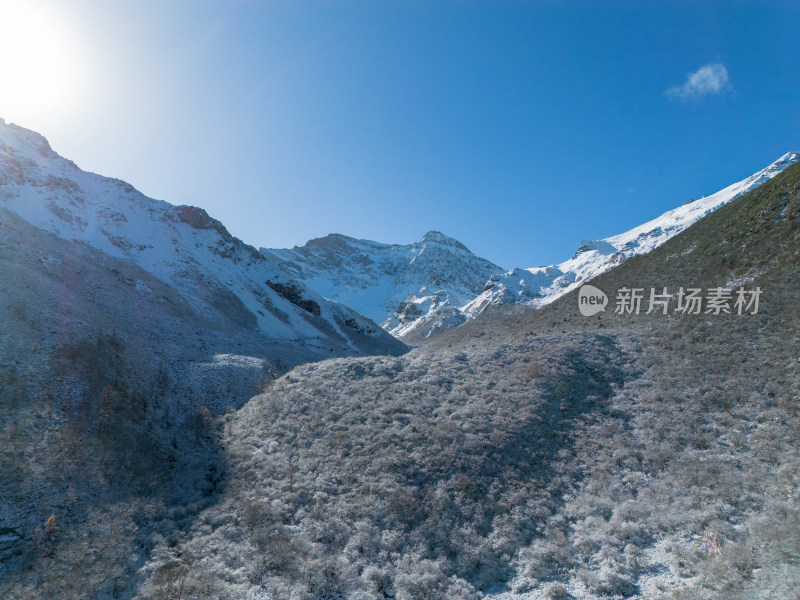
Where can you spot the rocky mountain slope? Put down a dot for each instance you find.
(545, 455)
(214, 277)
(393, 284)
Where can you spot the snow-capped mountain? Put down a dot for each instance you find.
(397, 285)
(224, 282)
(418, 289)
(541, 285)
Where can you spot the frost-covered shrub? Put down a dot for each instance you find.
(543, 558)
(556, 591)
(423, 580)
(610, 582)
(380, 581)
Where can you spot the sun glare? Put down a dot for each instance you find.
(39, 69)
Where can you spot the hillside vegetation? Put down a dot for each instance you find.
(107, 404)
(542, 455)
(536, 455)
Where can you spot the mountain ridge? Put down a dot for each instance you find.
(538, 286)
(417, 303)
(376, 278)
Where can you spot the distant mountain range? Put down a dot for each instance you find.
(397, 285)
(418, 289)
(310, 297)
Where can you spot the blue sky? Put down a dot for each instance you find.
(518, 128)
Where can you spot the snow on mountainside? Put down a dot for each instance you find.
(398, 285)
(216, 273)
(417, 289)
(541, 285)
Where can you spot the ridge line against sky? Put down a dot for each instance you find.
(518, 128)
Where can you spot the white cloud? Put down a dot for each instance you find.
(706, 81)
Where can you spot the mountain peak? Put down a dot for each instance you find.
(26, 137)
(329, 240)
(437, 237)
(374, 278)
(770, 171)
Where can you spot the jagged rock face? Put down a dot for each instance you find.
(601, 246)
(407, 311)
(199, 219)
(294, 294)
(393, 284)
